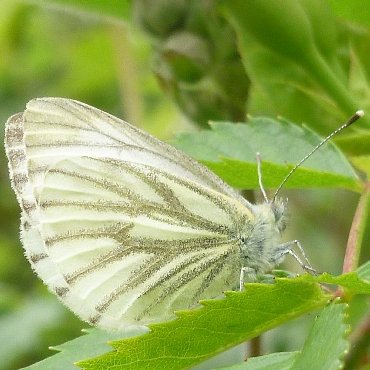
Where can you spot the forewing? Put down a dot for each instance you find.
(119, 230)
(57, 128)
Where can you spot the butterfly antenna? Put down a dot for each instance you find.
(351, 120)
(259, 172)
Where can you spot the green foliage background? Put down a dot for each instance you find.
(170, 67)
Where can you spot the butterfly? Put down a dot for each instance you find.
(126, 229)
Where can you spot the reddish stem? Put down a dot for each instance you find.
(356, 233)
(355, 236)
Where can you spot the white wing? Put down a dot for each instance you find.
(121, 226)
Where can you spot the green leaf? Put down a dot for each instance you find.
(230, 151)
(357, 282)
(352, 281)
(211, 329)
(220, 324)
(325, 346)
(355, 10)
(280, 87)
(107, 8)
(94, 343)
(244, 176)
(287, 19)
(273, 361)
(297, 27)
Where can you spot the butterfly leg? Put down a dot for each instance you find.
(299, 245)
(287, 249)
(246, 272)
(305, 267)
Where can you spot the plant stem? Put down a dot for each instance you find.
(127, 76)
(357, 231)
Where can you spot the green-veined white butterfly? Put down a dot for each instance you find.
(124, 228)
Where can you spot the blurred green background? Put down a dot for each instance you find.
(169, 67)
